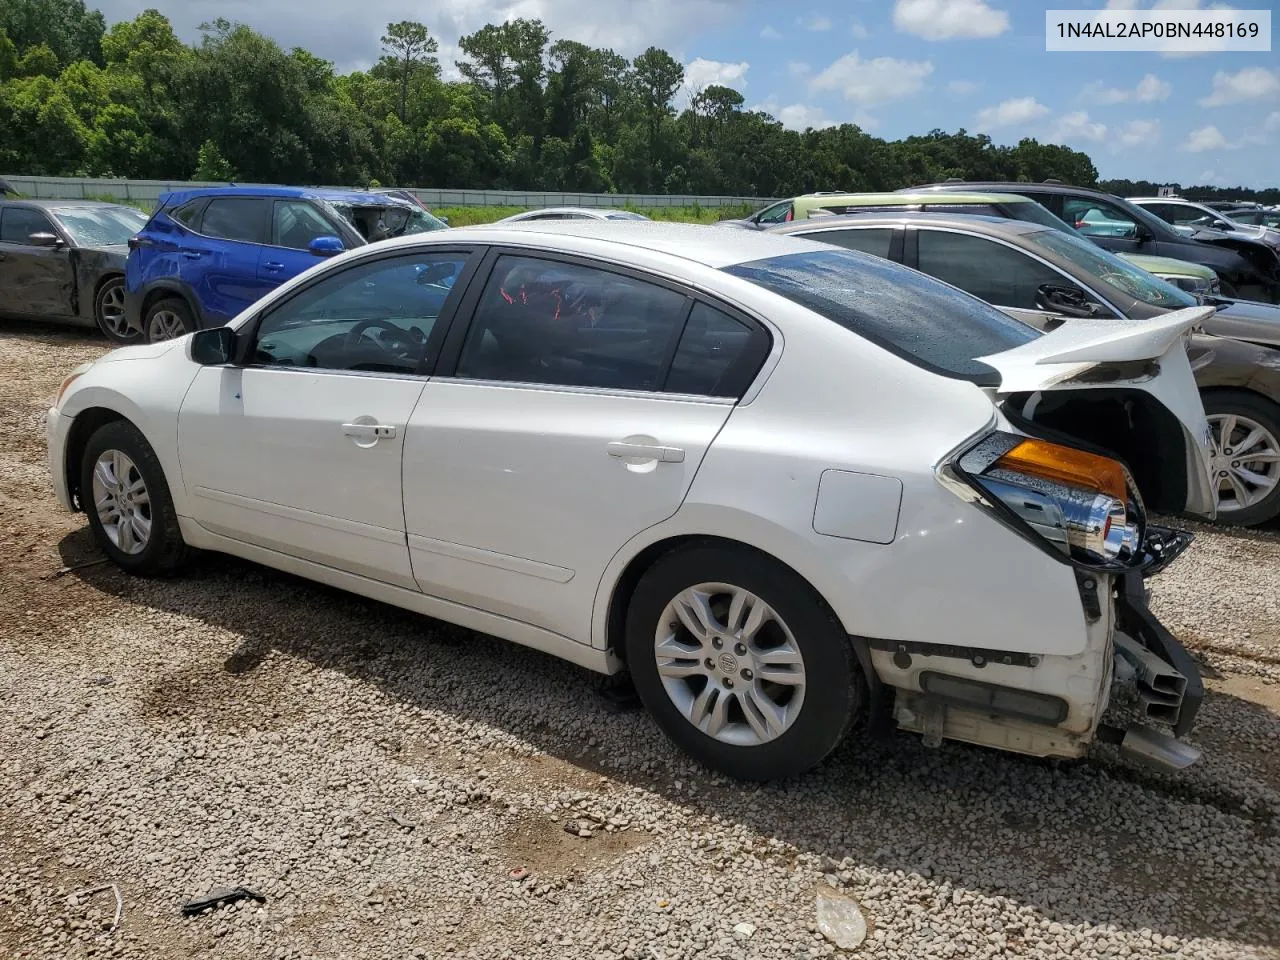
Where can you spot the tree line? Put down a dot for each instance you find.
(528, 112)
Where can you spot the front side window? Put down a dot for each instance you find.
(297, 223)
(246, 219)
(1114, 271)
(17, 224)
(375, 316)
(1097, 218)
(544, 321)
(910, 314)
(101, 226)
(778, 213)
(988, 270)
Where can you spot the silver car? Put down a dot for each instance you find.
(1188, 213)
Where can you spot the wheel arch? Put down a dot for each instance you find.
(169, 291)
(83, 426)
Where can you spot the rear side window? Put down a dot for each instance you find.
(718, 356)
(189, 213)
(17, 224)
(903, 311)
(873, 240)
(545, 321)
(238, 218)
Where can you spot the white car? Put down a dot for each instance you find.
(573, 213)
(786, 485)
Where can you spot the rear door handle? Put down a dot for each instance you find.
(368, 431)
(625, 450)
(273, 267)
(192, 254)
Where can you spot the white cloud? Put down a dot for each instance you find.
(1077, 126)
(769, 33)
(949, 19)
(1207, 138)
(1139, 133)
(815, 22)
(796, 116)
(858, 31)
(701, 74)
(1273, 121)
(1010, 113)
(1251, 83)
(1149, 89)
(798, 69)
(873, 81)
(962, 88)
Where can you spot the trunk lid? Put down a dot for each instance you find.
(1119, 354)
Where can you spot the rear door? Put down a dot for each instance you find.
(36, 281)
(219, 260)
(570, 414)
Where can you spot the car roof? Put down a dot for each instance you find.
(704, 244)
(906, 196)
(1007, 186)
(980, 224)
(589, 211)
(54, 204)
(333, 195)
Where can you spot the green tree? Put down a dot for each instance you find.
(408, 48)
(212, 165)
(67, 27)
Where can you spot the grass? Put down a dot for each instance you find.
(469, 216)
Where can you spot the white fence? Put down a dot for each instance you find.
(147, 192)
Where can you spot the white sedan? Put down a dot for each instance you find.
(786, 486)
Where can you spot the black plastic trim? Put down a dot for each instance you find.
(1062, 708)
(978, 656)
(1137, 620)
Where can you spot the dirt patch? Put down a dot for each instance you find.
(543, 846)
(225, 695)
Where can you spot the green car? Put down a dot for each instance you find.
(1192, 277)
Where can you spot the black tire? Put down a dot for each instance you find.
(1266, 414)
(834, 691)
(159, 325)
(108, 312)
(164, 549)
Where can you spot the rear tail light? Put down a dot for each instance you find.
(1083, 504)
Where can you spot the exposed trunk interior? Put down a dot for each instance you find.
(1127, 424)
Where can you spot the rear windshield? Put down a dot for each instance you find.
(921, 319)
(1033, 212)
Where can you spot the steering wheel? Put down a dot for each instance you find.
(400, 342)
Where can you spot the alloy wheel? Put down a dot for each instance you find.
(730, 664)
(164, 325)
(111, 313)
(1245, 460)
(121, 501)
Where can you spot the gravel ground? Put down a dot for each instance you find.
(377, 777)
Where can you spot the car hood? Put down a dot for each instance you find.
(1249, 320)
(141, 351)
(1168, 266)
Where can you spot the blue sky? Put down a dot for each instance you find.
(896, 67)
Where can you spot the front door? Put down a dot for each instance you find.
(294, 225)
(36, 280)
(299, 450)
(565, 430)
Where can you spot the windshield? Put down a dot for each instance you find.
(912, 315)
(1113, 271)
(100, 226)
(376, 223)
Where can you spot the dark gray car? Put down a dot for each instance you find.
(64, 260)
(1047, 277)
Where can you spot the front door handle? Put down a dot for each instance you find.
(368, 431)
(626, 450)
(273, 267)
(192, 254)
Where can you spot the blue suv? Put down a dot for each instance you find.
(208, 253)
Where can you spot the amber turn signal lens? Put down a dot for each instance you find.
(1078, 468)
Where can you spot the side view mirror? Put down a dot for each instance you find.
(1221, 225)
(212, 348)
(44, 239)
(1066, 299)
(327, 246)
(442, 219)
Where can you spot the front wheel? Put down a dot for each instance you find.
(740, 662)
(123, 489)
(1245, 456)
(108, 311)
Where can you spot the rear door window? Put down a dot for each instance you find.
(247, 219)
(876, 241)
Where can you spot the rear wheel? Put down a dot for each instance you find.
(108, 311)
(740, 662)
(167, 319)
(1246, 456)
